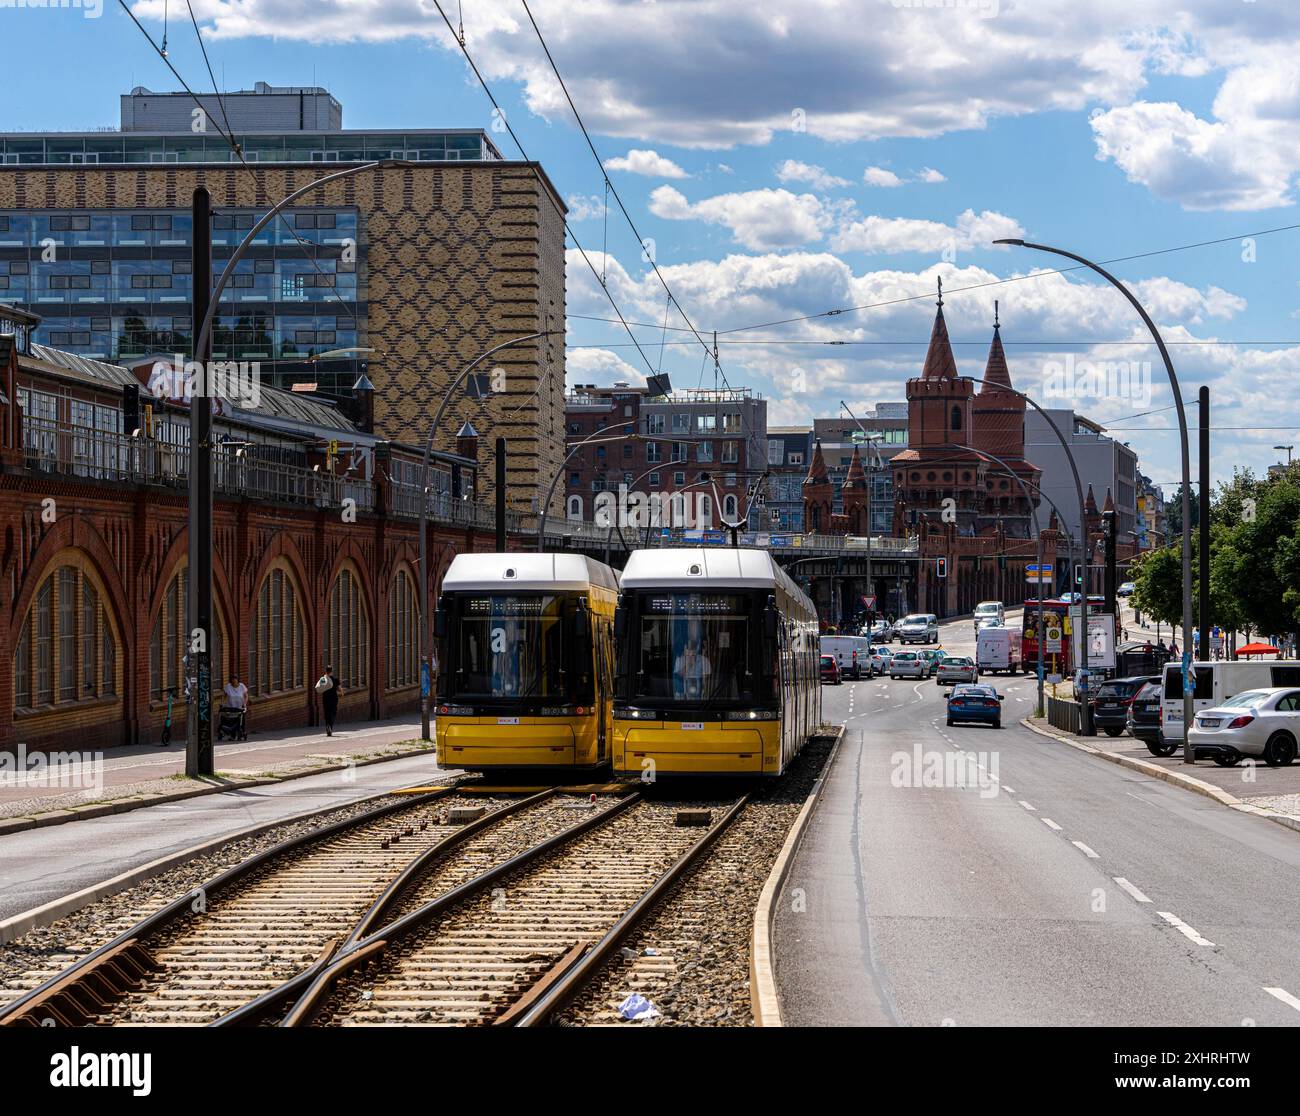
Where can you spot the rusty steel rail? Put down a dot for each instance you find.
(313, 998)
(257, 1010)
(92, 981)
(564, 985)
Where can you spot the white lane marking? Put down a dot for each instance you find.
(1285, 996)
(1179, 925)
(1085, 850)
(1050, 824)
(1026, 805)
(1133, 891)
(1009, 790)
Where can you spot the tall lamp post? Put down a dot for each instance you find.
(1186, 463)
(597, 436)
(873, 464)
(424, 646)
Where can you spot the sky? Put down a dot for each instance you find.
(782, 160)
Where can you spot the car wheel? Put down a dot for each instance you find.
(950, 722)
(1161, 748)
(997, 723)
(1227, 761)
(1110, 731)
(1280, 750)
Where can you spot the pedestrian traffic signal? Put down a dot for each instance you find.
(941, 567)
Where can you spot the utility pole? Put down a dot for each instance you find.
(1109, 520)
(501, 495)
(1204, 527)
(198, 745)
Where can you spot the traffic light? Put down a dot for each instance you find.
(1002, 561)
(978, 563)
(941, 567)
(1078, 573)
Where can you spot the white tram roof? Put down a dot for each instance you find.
(503, 573)
(689, 567)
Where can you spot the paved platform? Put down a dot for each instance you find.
(119, 773)
(41, 865)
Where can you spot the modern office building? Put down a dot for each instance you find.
(1103, 463)
(709, 444)
(424, 264)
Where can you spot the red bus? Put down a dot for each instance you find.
(1057, 614)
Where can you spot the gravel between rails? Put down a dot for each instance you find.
(39, 954)
(699, 973)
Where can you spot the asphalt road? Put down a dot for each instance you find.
(1027, 883)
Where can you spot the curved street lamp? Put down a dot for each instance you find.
(596, 436)
(1186, 463)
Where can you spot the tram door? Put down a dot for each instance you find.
(602, 689)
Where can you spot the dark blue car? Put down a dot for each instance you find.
(975, 703)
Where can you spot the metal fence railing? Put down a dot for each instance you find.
(1064, 715)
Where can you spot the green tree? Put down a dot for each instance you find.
(1158, 585)
(1174, 512)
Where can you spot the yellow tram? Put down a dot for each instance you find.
(527, 662)
(718, 659)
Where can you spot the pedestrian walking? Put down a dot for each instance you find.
(330, 691)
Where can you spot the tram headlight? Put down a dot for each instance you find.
(753, 715)
(456, 710)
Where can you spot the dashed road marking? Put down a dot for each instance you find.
(1182, 927)
(1133, 891)
(1027, 806)
(1009, 790)
(1050, 824)
(1285, 996)
(1085, 850)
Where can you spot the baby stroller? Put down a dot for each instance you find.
(230, 724)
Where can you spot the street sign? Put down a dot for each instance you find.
(780, 540)
(424, 680)
(1053, 644)
(1101, 642)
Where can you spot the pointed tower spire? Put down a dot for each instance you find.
(939, 362)
(1109, 505)
(817, 471)
(857, 475)
(1090, 504)
(996, 373)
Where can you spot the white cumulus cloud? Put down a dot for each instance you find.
(757, 219)
(879, 176)
(649, 163)
(817, 177)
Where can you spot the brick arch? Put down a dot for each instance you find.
(176, 556)
(76, 532)
(283, 546)
(349, 554)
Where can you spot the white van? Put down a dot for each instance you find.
(853, 653)
(1214, 683)
(998, 649)
(989, 612)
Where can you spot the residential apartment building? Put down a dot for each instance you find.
(424, 264)
(709, 444)
(789, 451)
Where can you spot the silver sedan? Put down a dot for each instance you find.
(956, 668)
(909, 664)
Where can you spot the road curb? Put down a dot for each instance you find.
(17, 925)
(1175, 778)
(765, 1003)
(153, 798)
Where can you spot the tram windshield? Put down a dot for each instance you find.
(509, 647)
(694, 648)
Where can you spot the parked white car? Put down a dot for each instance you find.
(1253, 723)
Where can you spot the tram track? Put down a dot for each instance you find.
(512, 945)
(250, 930)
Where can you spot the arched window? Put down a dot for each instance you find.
(574, 507)
(277, 649)
(729, 508)
(347, 631)
(403, 633)
(704, 505)
(956, 418)
(66, 650)
(169, 641)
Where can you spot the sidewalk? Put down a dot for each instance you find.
(1274, 791)
(95, 783)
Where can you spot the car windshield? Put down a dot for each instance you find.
(510, 647)
(974, 691)
(950, 661)
(1249, 697)
(912, 620)
(986, 610)
(827, 660)
(906, 655)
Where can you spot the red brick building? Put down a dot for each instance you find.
(315, 552)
